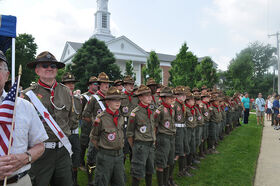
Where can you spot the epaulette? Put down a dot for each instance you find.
(32, 87)
(136, 109)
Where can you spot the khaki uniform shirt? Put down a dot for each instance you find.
(62, 98)
(76, 112)
(190, 118)
(84, 99)
(92, 108)
(127, 106)
(199, 116)
(179, 113)
(140, 126)
(106, 133)
(164, 122)
(223, 113)
(206, 112)
(216, 116)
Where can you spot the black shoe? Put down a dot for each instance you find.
(171, 182)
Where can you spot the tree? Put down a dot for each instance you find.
(26, 49)
(248, 72)
(182, 70)
(129, 69)
(91, 59)
(206, 73)
(152, 69)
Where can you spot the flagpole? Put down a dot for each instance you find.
(13, 120)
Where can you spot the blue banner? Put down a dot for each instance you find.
(7, 31)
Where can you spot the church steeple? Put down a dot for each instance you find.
(102, 22)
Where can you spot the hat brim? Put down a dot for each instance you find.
(104, 81)
(166, 95)
(33, 64)
(142, 92)
(92, 82)
(70, 81)
(129, 82)
(113, 97)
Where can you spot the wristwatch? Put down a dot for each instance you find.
(29, 157)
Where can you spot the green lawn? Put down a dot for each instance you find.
(235, 165)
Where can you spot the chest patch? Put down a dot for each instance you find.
(190, 119)
(125, 110)
(99, 111)
(206, 114)
(143, 129)
(167, 124)
(178, 108)
(112, 136)
(199, 118)
(151, 106)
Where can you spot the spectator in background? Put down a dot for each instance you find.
(260, 107)
(272, 100)
(276, 112)
(246, 107)
(268, 108)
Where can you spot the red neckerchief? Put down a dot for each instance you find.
(236, 101)
(197, 106)
(207, 104)
(222, 108)
(91, 92)
(216, 106)
(154, 99)
(182, 105)
(115, 115)
(129, 95)
(168, 107)
(51, 88)
(100, 94)
(146, 107)
(192, 108)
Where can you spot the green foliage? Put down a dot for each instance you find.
(248, 72)
(26, 49)
(129, 69)
(182, 70)
(206, 73)
(152, 69)
(91, 59)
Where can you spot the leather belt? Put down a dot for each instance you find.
(14, 178)
(111, 152)
(75, 131)
(180, 125)
(53, 145)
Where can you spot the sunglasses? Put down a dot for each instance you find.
(45, 65)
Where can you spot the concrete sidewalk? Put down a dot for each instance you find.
(269, 159)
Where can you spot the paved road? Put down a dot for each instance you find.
(269, 159)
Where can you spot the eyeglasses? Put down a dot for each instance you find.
(46, 65)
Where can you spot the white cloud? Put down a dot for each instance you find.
(246, 20)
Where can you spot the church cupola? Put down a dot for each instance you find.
(102, 22)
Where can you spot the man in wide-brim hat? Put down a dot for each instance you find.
(153, 85)
(119, 84)
(107, 136)
(69, 81)
(56, 98)
(141, 134)
(205, 98)
(94, 107)
(165, 153)
(128, 104)
(86, 126)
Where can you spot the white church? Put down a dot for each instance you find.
(122, 47)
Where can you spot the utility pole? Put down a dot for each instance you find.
(277, 34)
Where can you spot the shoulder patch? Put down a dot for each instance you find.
(132, 114)
(158, 111)
(96, 122)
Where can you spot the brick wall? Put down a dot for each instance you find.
(166, 74)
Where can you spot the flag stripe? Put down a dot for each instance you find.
(5, 106)
(6, 131)
(3, 146)
(4, 137)
(7, 111)
(6, 115)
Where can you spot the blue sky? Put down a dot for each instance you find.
(215, 28)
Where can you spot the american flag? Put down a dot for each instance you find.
(6, 117)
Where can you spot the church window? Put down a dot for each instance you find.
(104, 21)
